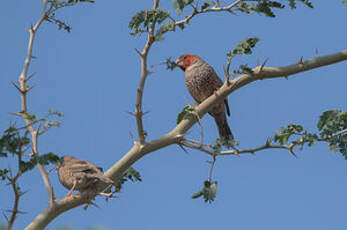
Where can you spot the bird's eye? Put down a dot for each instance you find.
(185, 57)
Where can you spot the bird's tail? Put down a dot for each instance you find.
(223, 127)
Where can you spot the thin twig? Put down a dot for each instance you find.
(144, 73)
(214, 158)
(213, 9)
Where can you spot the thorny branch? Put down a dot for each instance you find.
(215, 8)
(24, 89)
(208, 149)
(176, 135)
(144, 73)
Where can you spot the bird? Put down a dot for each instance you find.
(202, 81)
(79, 174)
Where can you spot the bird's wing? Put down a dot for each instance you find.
(100, 177)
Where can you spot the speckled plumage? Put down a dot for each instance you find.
(78, 174)
(202, 81)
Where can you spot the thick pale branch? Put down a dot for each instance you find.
(266, 73)
(176, 135)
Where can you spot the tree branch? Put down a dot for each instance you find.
(23, 92)
(177, 134)
(144, 73)
(213, 9)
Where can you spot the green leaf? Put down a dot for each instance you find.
(307, 3)
(144, 18)
(180, 4)
(44, 159)
(3, 173)
(130, 174)
(207, 4)
(330, 123)
(28, 115)
(186, 110)
(344, 2)
(262, 7)
(244, 47)
(11, 142)
(170, 64)
(168, 26)
(292, 3)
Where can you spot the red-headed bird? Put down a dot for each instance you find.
(202, 81)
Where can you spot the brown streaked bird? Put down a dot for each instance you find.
(78, 174)
(202, 81)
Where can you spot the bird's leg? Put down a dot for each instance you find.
(108, 195)
(73, 187)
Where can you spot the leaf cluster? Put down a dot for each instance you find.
(179, 5)
(208, 192)
(55, 5)
(44, 159)
(129, 175)
(244, 47)
(12, 142)
(142, 20)
(330, 123)
(332, 127)
(292, 3)
(266, 7)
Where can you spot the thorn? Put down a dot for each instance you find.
(186, 151)
(24, 192)
(292, 152)
(12, 211)
(139, 52)
(286, 77)
(197, 5)
(257, 61)
(144, 113)
(131, 113)
(33, 57)
(264, 63)
(316, 51)
(3, 213)
(301, 61)
(15, 85)
(28, 78)
(91, 203)
(17, 114)
(268, 142)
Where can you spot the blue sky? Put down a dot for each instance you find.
(92, 73)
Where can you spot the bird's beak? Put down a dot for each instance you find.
(179, 62)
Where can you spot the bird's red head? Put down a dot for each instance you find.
(186, 60)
